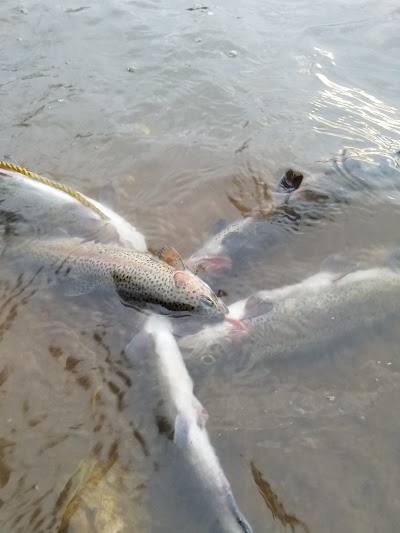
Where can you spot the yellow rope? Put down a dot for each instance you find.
(55, 185)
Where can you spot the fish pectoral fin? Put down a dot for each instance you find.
(256, 306)
(290, 181)
(77, 286)
(170, 256)
(338, 265)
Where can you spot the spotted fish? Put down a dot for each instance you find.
(140, 279)
(305, 317)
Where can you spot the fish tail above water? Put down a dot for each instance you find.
(219, 252)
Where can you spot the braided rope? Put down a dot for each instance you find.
(55, 185)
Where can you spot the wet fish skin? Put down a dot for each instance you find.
(140, 279)
(188, 417)
(36, 201)
(349, 179)
(301, 318)
(218, 251)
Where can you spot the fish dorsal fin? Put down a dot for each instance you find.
(290, 181)
(170, 256)
(338, 265)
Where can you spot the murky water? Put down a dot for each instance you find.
(176, 109)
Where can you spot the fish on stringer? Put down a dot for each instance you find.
(31, 203)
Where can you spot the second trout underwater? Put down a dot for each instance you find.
(141, 280)
(304, 317)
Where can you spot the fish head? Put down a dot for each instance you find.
(195, 296)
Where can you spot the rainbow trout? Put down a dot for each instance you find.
(140, 279)
(304, 317)
(298, 203)
(41, 204)
(237, 239)
(188, 417)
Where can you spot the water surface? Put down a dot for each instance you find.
(212, 98)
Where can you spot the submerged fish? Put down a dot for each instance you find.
(349, 180)
(220, 250)
(140, 279)
(304, 317)
(188, 417)
(27, 200)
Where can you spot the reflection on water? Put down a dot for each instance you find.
(144, 99)
(362, 116)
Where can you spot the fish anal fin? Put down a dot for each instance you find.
(338, 265)
(170, 256)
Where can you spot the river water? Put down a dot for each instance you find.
(171, 110)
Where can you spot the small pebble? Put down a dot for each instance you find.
(210, 13)
(362, 417)
(232, 53)
(131, 69)
(19, 38)
(23, 11)
(198, 40)
(388, 364)
(378, 362)
(331, 397)
(61, 100)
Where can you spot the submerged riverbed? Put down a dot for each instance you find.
(169, 109)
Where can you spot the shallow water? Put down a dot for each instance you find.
(192, 124)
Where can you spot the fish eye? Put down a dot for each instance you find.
(206, 302)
